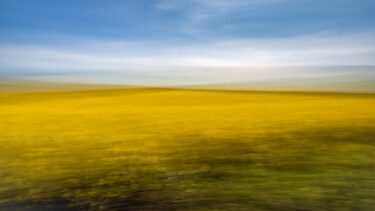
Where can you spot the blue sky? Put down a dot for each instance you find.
(130, 36)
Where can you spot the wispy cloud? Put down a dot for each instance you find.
(197, 10)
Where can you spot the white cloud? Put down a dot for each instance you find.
(218, 56)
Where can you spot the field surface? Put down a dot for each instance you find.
(170, 149)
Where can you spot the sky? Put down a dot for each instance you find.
(185, 41)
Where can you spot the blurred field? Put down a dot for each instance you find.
(170, 149)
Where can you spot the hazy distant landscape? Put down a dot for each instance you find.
(343, 80)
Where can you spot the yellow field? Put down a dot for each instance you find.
(169, 149)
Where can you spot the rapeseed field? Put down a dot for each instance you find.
(174, 149)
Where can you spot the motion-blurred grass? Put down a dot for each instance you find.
(166, 149)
